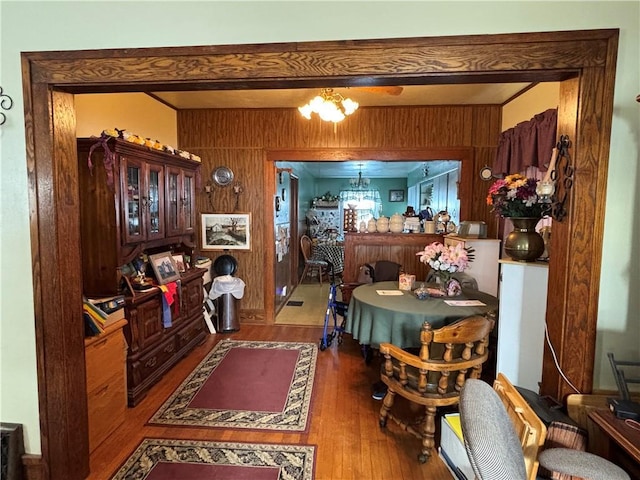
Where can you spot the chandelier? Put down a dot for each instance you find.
(359, 183)
(330, 106)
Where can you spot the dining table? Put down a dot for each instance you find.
(380, 312)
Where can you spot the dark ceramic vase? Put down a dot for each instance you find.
(524, 244)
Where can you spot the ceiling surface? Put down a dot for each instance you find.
(464, 94)
(411, 95)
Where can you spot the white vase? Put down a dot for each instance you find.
(382, 225)
(396, 223)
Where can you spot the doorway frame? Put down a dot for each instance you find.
(584, 61)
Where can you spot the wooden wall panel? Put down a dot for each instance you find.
(240, 138)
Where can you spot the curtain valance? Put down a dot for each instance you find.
(528, 144)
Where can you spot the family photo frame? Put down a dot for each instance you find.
(225, 231)
(164, 267)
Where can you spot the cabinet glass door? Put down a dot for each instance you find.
(173, 201)
(188, 201)
(155, 211)
(132, 202)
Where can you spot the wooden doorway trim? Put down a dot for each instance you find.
(583, 60)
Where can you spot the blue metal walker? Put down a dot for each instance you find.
(334, 308)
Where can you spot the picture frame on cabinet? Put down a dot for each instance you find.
(124, 279)
(164, 267)
(179, 259)
(225, 231)
(396, 195)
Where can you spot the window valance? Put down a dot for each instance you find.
(528, 144)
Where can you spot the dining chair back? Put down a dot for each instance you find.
(312, 265)
(379, 271)
(434, 377)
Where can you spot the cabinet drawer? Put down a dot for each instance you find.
(106, 407)
(148, 363)
(188, 333)
(104, 358)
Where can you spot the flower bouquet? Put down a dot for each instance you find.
(445, 261)
(515, 196)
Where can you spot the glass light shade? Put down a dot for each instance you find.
(349, 106)
(329, 107)
(306, 111)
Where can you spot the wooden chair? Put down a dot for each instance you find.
(380, 271)
(434, 377)
(311, 264)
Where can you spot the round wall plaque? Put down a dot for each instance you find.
(223, 176)
(486, 173)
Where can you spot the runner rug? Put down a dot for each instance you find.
(195, 460)
(246, 384)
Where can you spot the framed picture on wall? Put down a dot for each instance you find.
(226, 231)
(396, 195)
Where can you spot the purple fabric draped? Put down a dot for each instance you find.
(528, 144)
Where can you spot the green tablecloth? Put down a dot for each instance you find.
(373, 318)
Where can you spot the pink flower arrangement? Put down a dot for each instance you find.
(445, 260)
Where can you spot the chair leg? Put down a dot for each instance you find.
(305, 272)
(387, 403)
(428, 434)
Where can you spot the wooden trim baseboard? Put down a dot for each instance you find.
(32, 467)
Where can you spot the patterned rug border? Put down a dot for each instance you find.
(296, 462)
(294, 418)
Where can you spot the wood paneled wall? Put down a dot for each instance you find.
(242, 138)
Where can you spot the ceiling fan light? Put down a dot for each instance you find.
(330, 107)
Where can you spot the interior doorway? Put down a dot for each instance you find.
(577, 59)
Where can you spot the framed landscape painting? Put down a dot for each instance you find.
(226, 231)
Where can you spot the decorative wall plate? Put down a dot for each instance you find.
(223, 176)
(486, 173)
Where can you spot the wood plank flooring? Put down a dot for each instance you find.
(343, 420)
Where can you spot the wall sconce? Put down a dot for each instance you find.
(238, 190)
(553, 190)
(208, 190)
(6, 102)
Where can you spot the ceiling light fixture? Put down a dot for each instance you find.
(359, 183)
(330, 106)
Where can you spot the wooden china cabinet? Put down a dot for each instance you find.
(134, 200)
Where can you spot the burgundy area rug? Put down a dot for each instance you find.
(196, 460)
(246, 384)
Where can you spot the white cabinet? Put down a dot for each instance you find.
(521, 322)
(484, 267)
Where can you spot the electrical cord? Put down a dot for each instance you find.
(555, 360)
(631, 423)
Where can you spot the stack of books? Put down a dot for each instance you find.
(452, 449)
(99, 313)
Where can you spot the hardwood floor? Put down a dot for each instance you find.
(343, 420)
